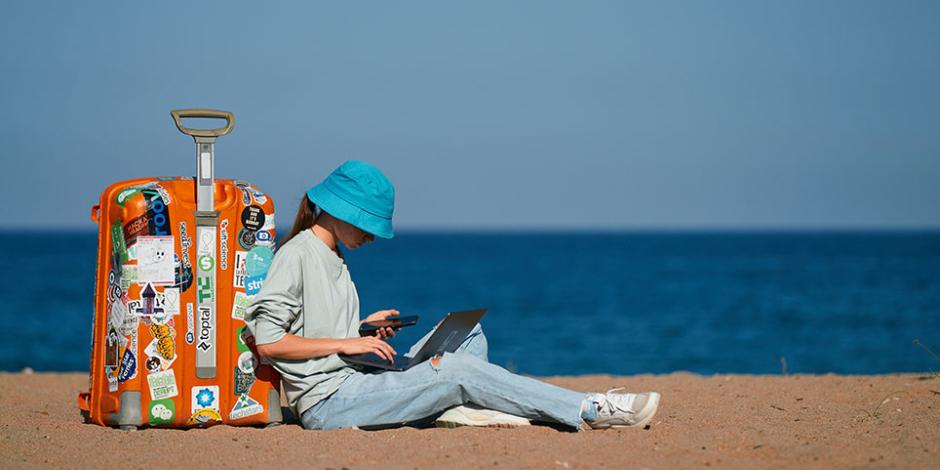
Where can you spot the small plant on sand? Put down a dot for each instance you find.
(934, 375)
(925, 348)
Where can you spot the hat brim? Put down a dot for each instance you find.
(343, 210)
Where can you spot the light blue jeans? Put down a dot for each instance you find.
(387, 398)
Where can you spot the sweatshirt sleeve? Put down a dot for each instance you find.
(276, 306)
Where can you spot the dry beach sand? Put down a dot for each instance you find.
(722, 421)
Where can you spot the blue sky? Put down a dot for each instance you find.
(492, 114)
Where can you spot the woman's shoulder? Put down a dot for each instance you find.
(293, 247)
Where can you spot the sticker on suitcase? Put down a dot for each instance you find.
(204, 290)
(162, 385)
(244, 341)
(264, 238)
(169, 301)
(128, 368)
(126, 194)
(244, 407)
(163, 346)
(190, 324)
(205, 328)
(117, 315)
(112, 347)
(158, 214)
(253, 284)
(129, 363)
(253, 218)
(204, 405)
(243, 381)
(240, 305)
(223, 245)
(246, 239)
(155, 260)
(268, 222)
(185, 267)
(205, 396)
(241, 269)
(258, 260)
(148, 305)
(134, 228)
(257, 195)
(119, 244)
(128, 275)
(162, 412)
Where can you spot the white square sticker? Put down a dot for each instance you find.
(162, 385)
(241, 272)
(155, 260)
(205, 396)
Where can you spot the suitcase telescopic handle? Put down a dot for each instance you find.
(180, 114)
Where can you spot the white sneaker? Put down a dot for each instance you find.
(615, 410)
(472, 415)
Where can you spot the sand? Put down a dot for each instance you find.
(722, 421)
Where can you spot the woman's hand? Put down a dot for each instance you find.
(381, 315)
(384, 332)
(367, 344)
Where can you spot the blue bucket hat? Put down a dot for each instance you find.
(359, 194)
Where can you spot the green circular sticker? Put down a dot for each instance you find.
(206, 263)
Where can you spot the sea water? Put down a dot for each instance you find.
(579, 303)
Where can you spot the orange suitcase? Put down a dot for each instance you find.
(179, 259)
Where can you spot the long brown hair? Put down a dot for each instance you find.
(306, 215)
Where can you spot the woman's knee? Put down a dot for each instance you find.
(454, 365)
(476, 343)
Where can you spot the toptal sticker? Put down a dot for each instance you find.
(205, 328)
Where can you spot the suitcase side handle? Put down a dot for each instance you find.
(180, 114)
(95, 212)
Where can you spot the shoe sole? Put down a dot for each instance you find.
(652, 405)
(454, 424)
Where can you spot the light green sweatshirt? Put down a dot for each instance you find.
(307, 292)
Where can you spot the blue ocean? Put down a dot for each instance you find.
(580, 303)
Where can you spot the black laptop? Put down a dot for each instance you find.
(446, 338)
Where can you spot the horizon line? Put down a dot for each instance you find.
(651, 229)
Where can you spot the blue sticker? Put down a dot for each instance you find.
(263, 236)
(128, 366)
(258, 260)
(205, 397)
(158, 214)
(243, 381)
(253, 284)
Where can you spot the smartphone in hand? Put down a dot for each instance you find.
(393, 322)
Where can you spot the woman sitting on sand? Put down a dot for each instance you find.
(308, 312)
